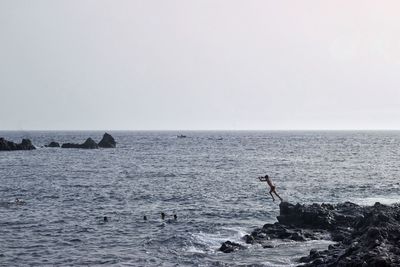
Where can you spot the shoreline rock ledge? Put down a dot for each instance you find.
(364, 235)
(26, 144)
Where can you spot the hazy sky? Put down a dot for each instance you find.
(199, 64)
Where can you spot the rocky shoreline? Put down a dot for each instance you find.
(364, 236)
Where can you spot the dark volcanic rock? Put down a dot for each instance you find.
(88, 144)
(53, 144)
(26, 144)
(7, 145)
(373, 241)
(228, 247)
(365, 236)
(280, 231)
(324, 216)
(107, 141)
(71, 145)
(249, 239)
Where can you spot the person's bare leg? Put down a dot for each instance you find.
(270, 192)
(277, 195)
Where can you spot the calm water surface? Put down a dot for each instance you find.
(208, 179)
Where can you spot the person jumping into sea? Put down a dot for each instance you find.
(271, 185)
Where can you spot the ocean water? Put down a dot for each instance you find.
(208, 179)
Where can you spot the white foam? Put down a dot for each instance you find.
(193, 249)
(213, 241)
(236, 234)
(287, 252)
(368, 201)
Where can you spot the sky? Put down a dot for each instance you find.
(199, 65)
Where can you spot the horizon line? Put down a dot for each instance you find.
(193, 130)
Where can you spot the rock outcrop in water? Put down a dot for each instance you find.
(26, 144)
(53, 144)
(107, 141)
(88, 144)
(365, 236)
(228, 247)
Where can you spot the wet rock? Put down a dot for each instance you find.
(228, 247)
(365, 236)
(279, 231)
(372, 241)
(88, 144)
(268, 246)
(107, 141)
(26, 144)
(53, 144)
(249, 239)
(318, 261)
(340, 234)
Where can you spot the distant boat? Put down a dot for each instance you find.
(181, 136)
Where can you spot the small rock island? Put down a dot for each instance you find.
(53, 144)
(26, 144)
(106, 142)
(88, 144)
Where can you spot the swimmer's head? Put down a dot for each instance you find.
(266, 176)
(162, 215)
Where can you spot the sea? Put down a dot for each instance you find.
(208, 180)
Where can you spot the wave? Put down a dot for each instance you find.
(211, 242)
(369, 201)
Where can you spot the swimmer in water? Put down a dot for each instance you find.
(162, 215)
(271, 185)
(19, 202)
